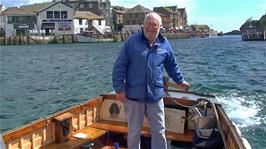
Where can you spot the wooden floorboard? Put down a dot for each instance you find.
(121, 127)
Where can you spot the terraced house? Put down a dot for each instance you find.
(98, 7)
(133, 18)
(172, 17)
(55, 18)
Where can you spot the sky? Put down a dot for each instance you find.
(220, 15)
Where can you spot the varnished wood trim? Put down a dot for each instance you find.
(190, 92)
(111, 96)
(170, 101)
(121, 127)
(230, 130)
(34, 125)
(16, 134)
(92, 103)
(74, 143)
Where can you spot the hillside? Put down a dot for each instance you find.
(234, 32)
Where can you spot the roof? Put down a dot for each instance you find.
(119, 8)
(138, 9)
(17, 11)
(87, 15)
(118, 11)
(168, 9)
(30, 9)
(173, 8)
(181, 10)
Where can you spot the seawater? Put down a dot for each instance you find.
(37, 80)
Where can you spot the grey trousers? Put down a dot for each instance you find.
(135, 112)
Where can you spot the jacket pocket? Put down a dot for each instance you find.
(159, 83)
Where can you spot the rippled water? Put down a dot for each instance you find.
(37, 80)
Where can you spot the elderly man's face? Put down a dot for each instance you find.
(151, 29)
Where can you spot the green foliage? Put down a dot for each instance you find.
(262, 23)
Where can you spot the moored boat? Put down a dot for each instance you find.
(87, 39)
(192, 120)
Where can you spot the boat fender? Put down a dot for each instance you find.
(246, 143)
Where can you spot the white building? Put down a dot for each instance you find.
(2, 8)
(85, 21)
(53, 18)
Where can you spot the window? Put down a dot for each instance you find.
(50, 14)
(57, 14)
(80, 21)
(64, 14)
(90, 5)
(100, 22)
(81, 6)
(9, 20)
(81, 30)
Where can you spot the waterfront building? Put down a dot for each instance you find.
(199, 30)
(254, 29)
(133, 18)
(54, 18)
(118, 13)
(182, 18)
(85, 21)
(172, 17)
(2, 8)
(98, 7)
(169, 17)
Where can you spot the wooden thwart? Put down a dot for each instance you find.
(92, 134)
(121, 127)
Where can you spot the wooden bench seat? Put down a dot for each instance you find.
(91, 132)
(121, 127)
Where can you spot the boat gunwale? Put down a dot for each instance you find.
(45, 121)
(229, 130)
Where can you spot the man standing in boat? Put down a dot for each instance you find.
(138, 80)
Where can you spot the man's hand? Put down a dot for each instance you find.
(184, 85)
(120, 96)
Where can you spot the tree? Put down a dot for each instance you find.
(262, 23)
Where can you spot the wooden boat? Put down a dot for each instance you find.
(90, 37)
(100, 123)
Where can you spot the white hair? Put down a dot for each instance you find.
(154, 15)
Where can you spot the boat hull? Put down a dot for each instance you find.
(96, 122)
(88, 39)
